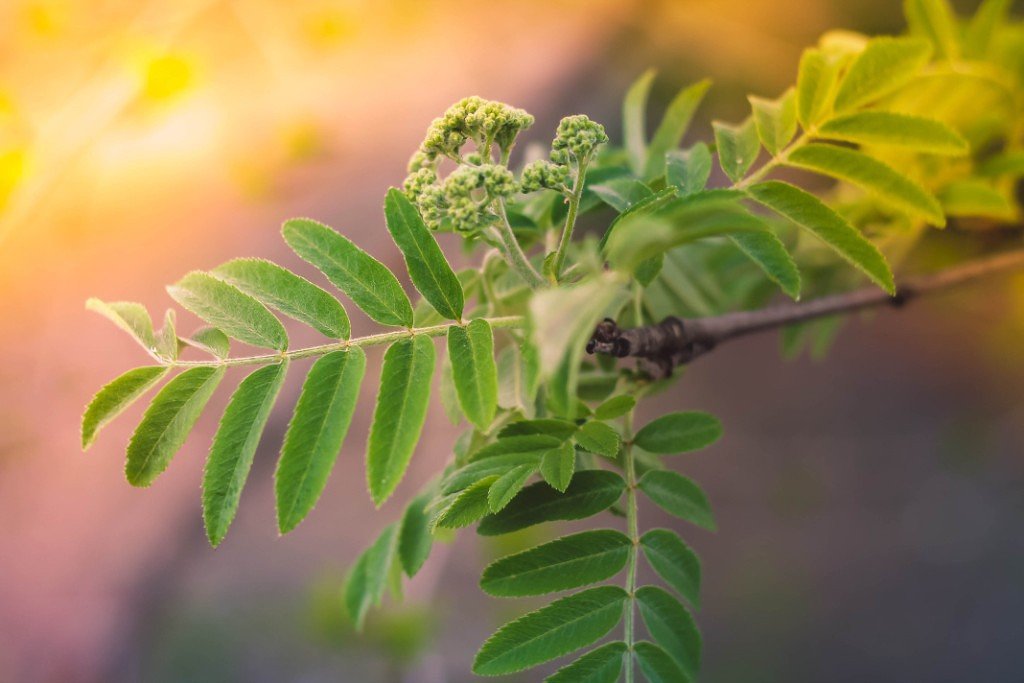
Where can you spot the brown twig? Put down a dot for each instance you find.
(675, 341)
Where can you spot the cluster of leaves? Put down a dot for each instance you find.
(919, 130)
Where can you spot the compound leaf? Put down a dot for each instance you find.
(315, 433)
(115, 397)
(427, 266)
(568, 562)
(399, 414)
(292, 295)
(564, 626)
(168, 421)
(365, 280)
(234, 446)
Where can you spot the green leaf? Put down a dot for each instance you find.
(597, 437)
(815, 84)
(400, 413)
(369, 576)
(211, 340)
(284, 291)
(234, 446)
(552, 427)
(471, 349)
(673, 561)
(895, 130)
(679, 433)
(737, 147)
(679, 496)
(167, 342)
(982, 26)
(671, 626)
(414, 537)
(768, 252)
(226, 307)
(115, 397)
(600, 665)
(976, 198)
(131, 317)
(812, 214)
(568, 562)
(365, 280)
(673, 126)
(564, 626)
(525, 445)
(496, 465)
(315, 434)
(622, 194)
(590, 492)
(504, 490)
(657, 665)
(775, 120)
(647, 205)
(429, 270)
(855, 167)
(1004, 164)
(689, 170)
(168, 421)
(467, 506)
(933, 19)
(634, 124)
(558, 465)
(884, 65)
(616, 406)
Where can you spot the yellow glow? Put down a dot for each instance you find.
(166, 78)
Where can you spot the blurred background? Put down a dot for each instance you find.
(870, 507)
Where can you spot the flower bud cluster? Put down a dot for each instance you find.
(485, 122)
(463, 197)
(576, 139)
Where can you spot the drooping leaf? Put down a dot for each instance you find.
(671, 626)
(737, 147)
(426, 263)
(369, 576)
(775, 120)
(679, 496)
(616, 406)
(597, 437)
(673, 126)
(768, 252)
(471, 349)
(558, 465)
(131, 317)
(855, 167)
(679, 433)
(812, 214)
(467, 506)
(234, 445)
(895, 130)
(365, 280)
(400, 413)
(634, 123)
(657, 665)
(168, 421)
(674, 562)
(884, 65)
(564, 626)
(292, 295)
(934, 20)
(229, 309)
(316, 432)
(689, 170)
(600, 665)
(568, 562)
(414, 537)
(508, 486)
(590, 492)
(210, 340)
(115, 397)
(815, 85)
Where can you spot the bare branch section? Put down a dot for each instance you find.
(675, 341)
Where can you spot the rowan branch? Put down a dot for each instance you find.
(675, 341)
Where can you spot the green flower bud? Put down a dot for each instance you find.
(579, 136)
(543, 174)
